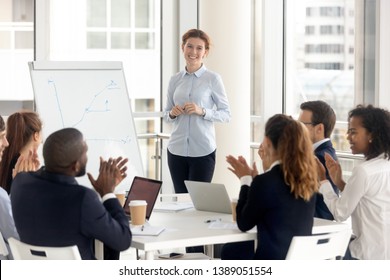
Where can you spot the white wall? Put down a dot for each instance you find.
(228, 23)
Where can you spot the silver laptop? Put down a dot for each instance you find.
(210, 197)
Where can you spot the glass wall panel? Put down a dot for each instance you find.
(5, 40)
(96, 40)
(121, 13)
(120, 40)
(145, 13)
(96, 13)
(144, 40)
(320, 58)
(115, 30)
(24, 40)
(16, 49)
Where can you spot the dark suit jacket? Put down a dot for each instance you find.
(278, 215)
(54, 210)
(322, 210)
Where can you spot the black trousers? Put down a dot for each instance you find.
(110, 254)
(190, 168)
(194, 169)
(244, 250)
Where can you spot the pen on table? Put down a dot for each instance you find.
(212, 220)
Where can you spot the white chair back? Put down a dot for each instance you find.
(3, 247)
(24, 251)
(319, 247)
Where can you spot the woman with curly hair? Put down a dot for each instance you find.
(366, 196)
(281, 201)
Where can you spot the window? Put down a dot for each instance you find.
(321, 68)
(324, 48)
(115, 30)
(316, 65)
(309, 30)
(120, 24)
(332, 11)
(16, 48)
(331, 29)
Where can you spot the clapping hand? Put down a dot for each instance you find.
(26, 163)
(240, 167)
(321, 171)
(335, 172)
(111, 173)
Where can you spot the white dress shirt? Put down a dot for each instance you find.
(366, 198)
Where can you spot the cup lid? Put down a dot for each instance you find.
(137, 203)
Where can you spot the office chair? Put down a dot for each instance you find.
(24, 251)
(319, 247)
(3, 247)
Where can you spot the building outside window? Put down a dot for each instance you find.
(321, 66)
(318, 63)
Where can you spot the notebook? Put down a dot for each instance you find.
(146, 230)
(143, 189)
(210, 197)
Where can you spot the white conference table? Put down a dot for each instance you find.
(188, 228)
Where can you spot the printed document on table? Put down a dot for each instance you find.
(172, 206)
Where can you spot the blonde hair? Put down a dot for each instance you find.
(292, 142)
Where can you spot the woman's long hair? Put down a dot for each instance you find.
(21, 126)
(292, 142)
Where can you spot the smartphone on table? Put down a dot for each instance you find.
(171, 256)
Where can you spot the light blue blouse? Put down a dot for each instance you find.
(194, 135)
(7, 225)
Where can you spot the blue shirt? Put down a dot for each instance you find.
(7, 225)
(194, 135)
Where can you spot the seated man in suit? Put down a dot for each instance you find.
(51, 209)
(320, 120)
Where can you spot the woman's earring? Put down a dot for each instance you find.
(370, 141)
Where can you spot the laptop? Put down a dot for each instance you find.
(209, 197)
(143, 189)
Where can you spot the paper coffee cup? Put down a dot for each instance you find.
(121, 196)
(137, 212)
(234, 205)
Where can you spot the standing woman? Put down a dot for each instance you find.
(24, 134)
(281, 201)
(366, 195)
(196, 99)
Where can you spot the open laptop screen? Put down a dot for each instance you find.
(143, 189)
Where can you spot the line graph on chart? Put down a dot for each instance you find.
(94, 100)
(99, 102)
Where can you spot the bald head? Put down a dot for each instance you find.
(63, 148)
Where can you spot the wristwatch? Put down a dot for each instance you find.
(204, 112)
